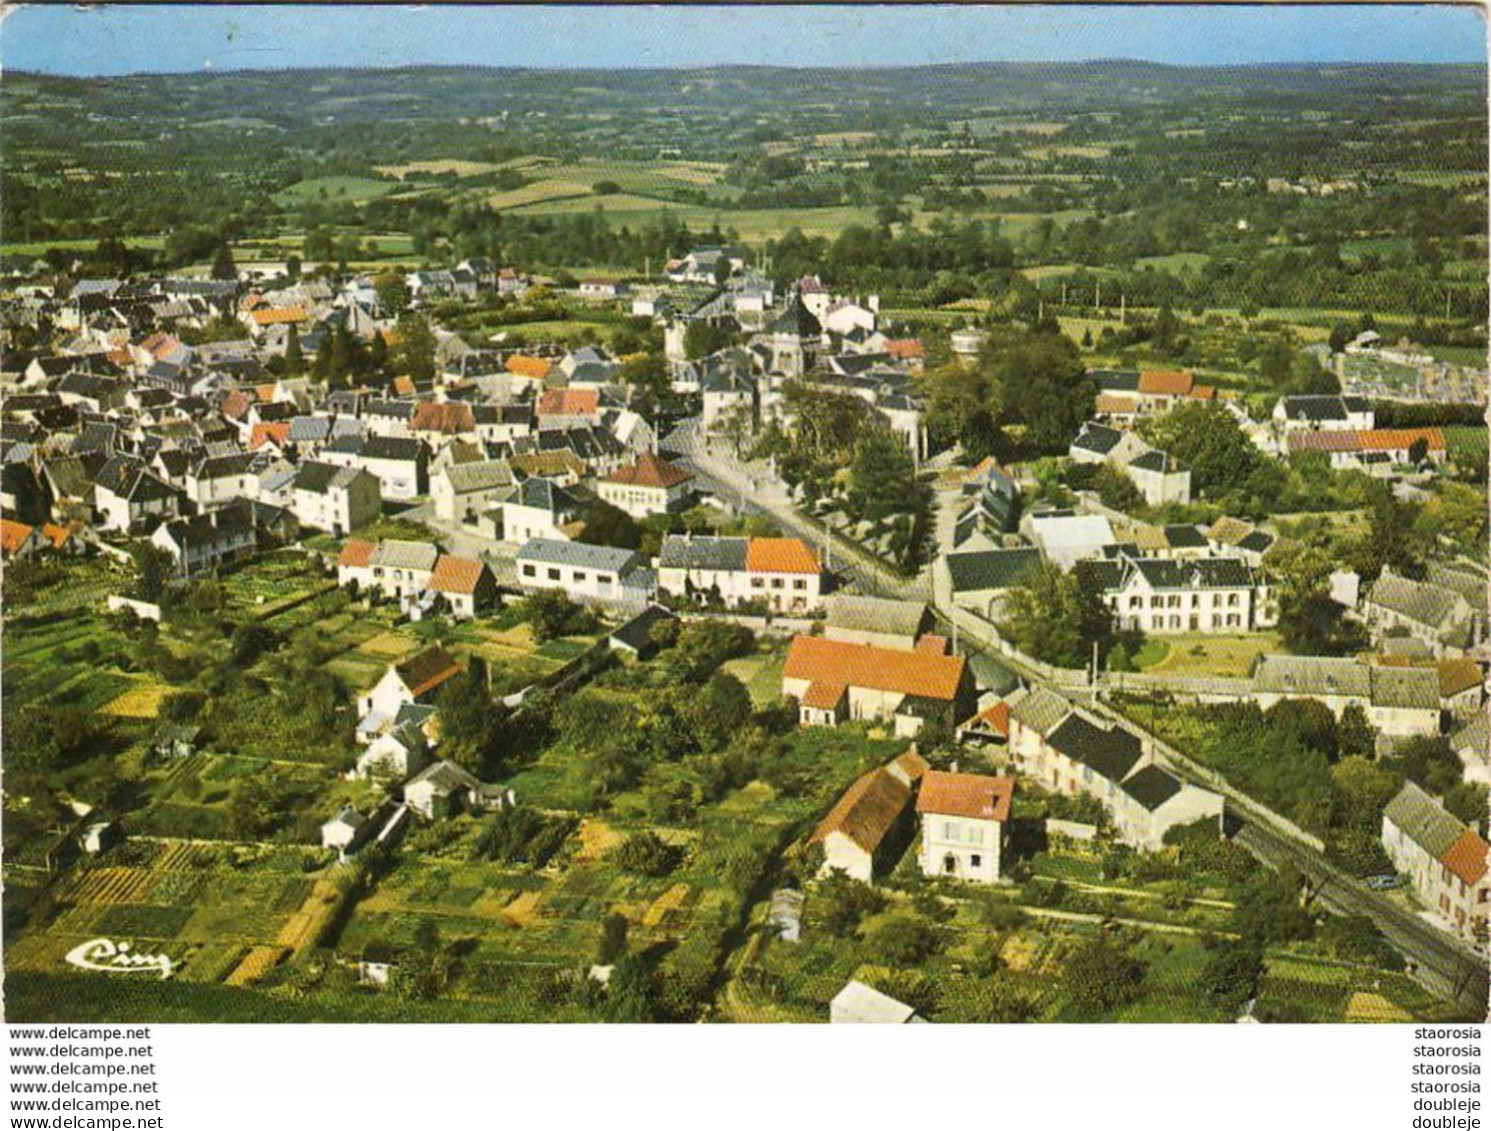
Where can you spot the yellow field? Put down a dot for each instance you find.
(387, 645)
(459, 168)
(596, 839)
(1095, 152)
(140, 702)
(1373, 1007)
(539, 190)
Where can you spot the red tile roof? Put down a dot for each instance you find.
(13, 535)
(356, 553)
(279, 315)
(56, 535)
(568, 402)
(966, 795)
(234, 405)
(275, 431)
(780, 555)
(995, 718)
(829, 662)
(1107, 402)
(451, 418)
(456, 575)
(823, 695)
(931, 642)
(650, 471)
(1466, 858)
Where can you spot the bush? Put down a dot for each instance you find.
(844, 903)
(901, 938)
(648, 854)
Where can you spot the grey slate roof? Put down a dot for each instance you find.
(480, 476)
(1097, 438)
(1203, 573)
(1418, 601)
(875, 614)
(1151, 787)
(1040, 711)
(1422, 820)
(580, 554)
(703, 553)
(977, 570)
(1109, 751)
(392, 553)
(1312, 676)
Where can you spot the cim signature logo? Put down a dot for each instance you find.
(118, 958)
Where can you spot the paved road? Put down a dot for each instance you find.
(750, 489)
(1444, 966)
(1441, 963)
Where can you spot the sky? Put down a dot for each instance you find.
(104, 40)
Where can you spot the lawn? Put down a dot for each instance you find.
(762, 675)
(1207, 654)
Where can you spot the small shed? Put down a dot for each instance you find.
(100, 836)
(785, 914)
(859, 1004)
(177, 740)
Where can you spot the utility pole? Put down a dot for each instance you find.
(1123, 309)
(1098, 301)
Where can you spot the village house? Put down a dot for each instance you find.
(1378, 451)
(981, 580)
(19, 541)
(834, 681)
(125, 495)
(598, 574)
(441, 790)
(538, 509)
(345, 831)
(1160, 478)
(1324, 414)
(392, 756)
(648, 485)
(1399, 702)
(782, 573)
(1445, 860)
(337, 500)
(466, 584)
(963, 817)
(400, 463)
(865, 829)
(1439, 616)
(1160, 595)
(462, 491)
(201, 543)
(219, 480)
(415, 679)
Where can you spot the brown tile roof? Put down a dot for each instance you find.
(356, 553)
(966, 795)
(1466, 858)
(1203, 392)
(427, 670)
(1456, 676)
(912, 764)
(780, 555)
(403, 386)
(649, 471)
(1166, 383)
(450, 418)
(1229, 531)
(568, 402)
(932, 643)
(868, 810)
(883, 669)
(456, 575)
(13, 535)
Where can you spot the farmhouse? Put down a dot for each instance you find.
(860, 834)
(1324, 414)
(441, 790)
(1441, 617)
(834, 681)
(1381, 451)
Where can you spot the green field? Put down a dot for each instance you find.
(353, 189)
